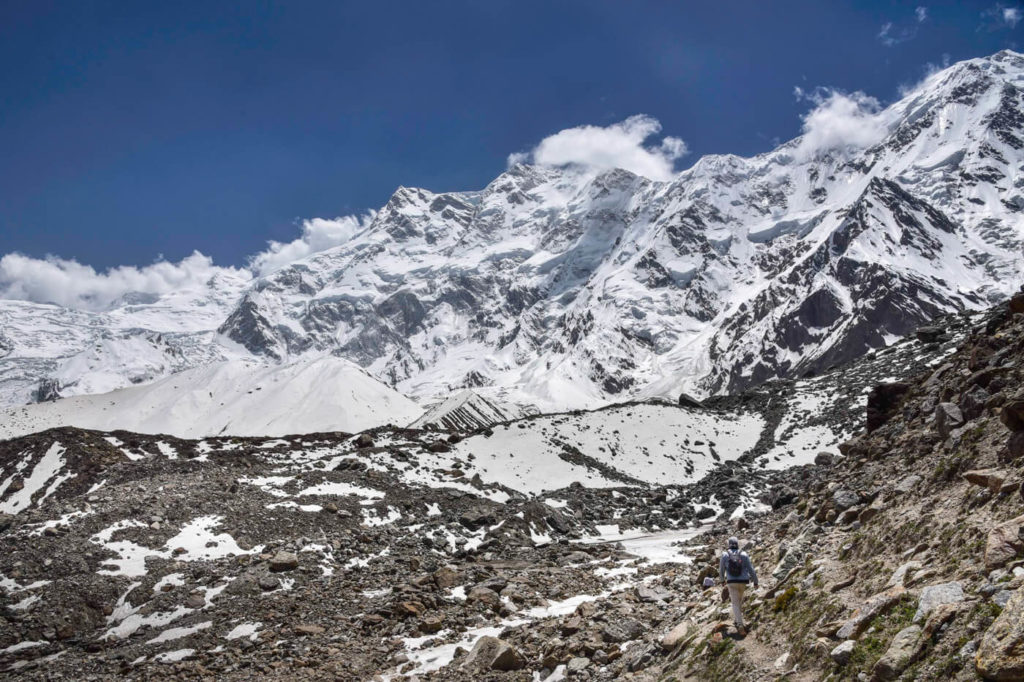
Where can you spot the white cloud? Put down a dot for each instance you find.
(71, 284)
(839, 121)
(318, 234)
(1011, 16)
(620, 145)
(921, 13)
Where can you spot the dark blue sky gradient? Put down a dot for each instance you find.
(129, 130)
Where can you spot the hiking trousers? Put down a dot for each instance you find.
(736, 591)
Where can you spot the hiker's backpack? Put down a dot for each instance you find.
(734, 564)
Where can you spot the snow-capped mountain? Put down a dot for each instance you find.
(559, 288)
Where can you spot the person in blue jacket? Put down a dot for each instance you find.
(736, 571)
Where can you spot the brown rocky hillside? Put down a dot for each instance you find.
(902, 560)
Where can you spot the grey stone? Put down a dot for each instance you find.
(490, 653)
(874, 606)
(284, 561)
(623, 630)
(947, 417)
(577, 665)
(1002, 598)
(844, 499)
(934, 596)
(899, 576)
(841, 654)
(677, 634)
(908, 484)
(900, 654)
(649, 595)
(824, 459)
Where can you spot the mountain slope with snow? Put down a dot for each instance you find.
(558, 288)
(237, 398)
(566, 289)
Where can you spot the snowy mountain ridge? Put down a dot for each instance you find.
(562, 289)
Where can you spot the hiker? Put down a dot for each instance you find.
(736, 570)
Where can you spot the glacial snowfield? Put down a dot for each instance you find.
(235, 397)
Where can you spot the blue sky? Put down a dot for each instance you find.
(134, 130)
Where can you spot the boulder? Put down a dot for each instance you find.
(446, 577)
(782, 495)
(844, 499)
(624, 630)
(882, 403)
(408, 608)
(1012, 414)
(577, 665)
(432, 623)
(793, 557)
(939, 616)
(873, 607)
(649, 595)
(284, 561)
(993, 479)
(899, 655)
(899, 576)
(824, 459)
(931, 334)
(1001, 652)
(677, 634)
(841, 654)
(1004, 543)
(490, 653)
(907, 484)
(947, 417)
(485, 596)
(309, 630)
(1015, 446)
(364, 440)
(972, 404)
(934, 596)
(868, 513)
(1016, 304)
(477, 517)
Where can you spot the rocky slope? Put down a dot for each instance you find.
(530, 548)
(903, 559)
(560, 289)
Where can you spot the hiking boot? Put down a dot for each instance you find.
(741, 631)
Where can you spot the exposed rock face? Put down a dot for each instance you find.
(1001, 652)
